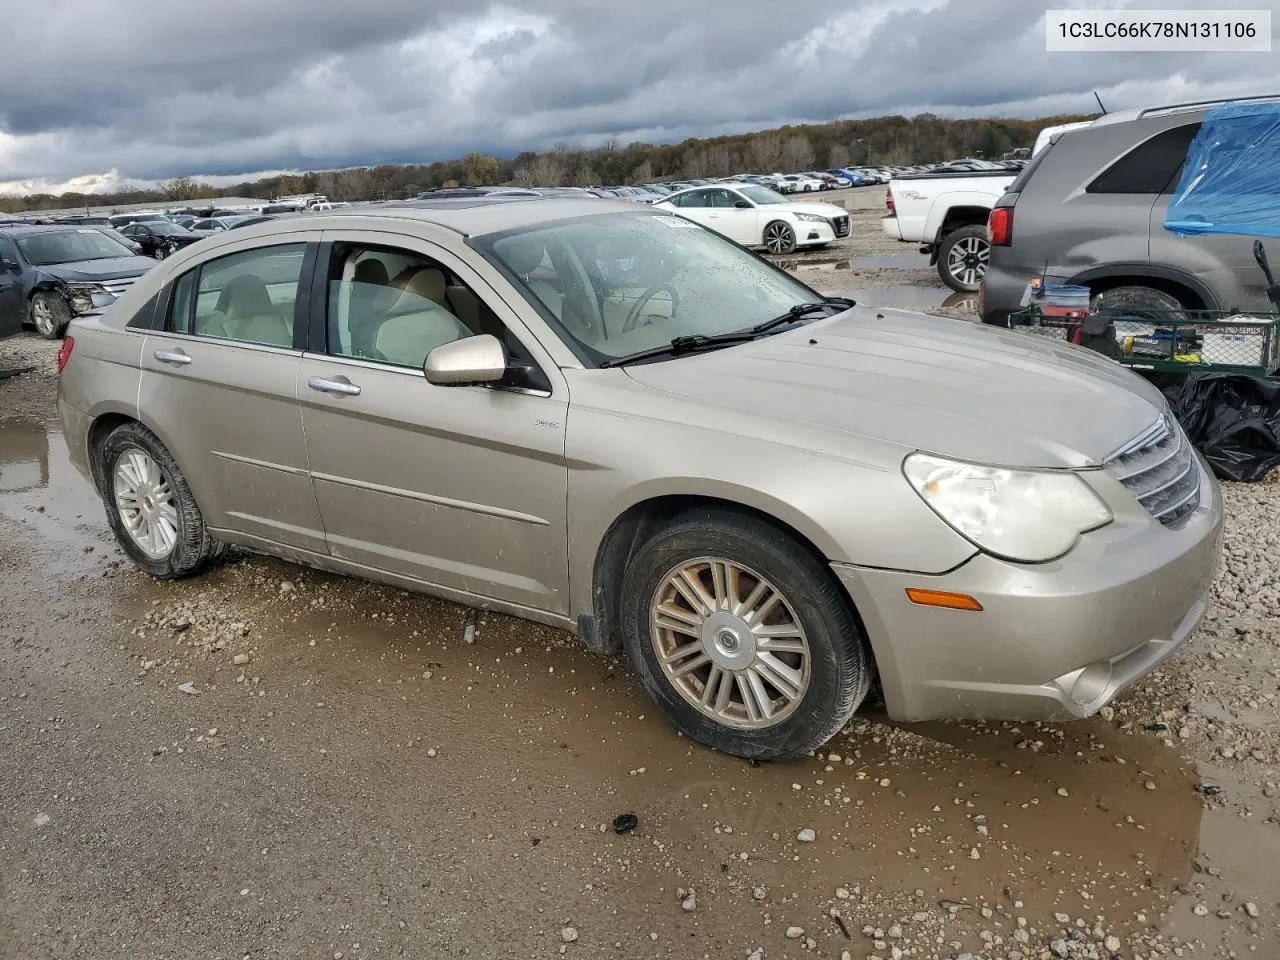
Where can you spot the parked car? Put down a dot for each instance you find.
(945, 214)
(798, 183)
(1089, 209)
(120, 220)
(119, 237)
(219, 224)
(990, 536)
(50, 273)
(756, 216)
(159, 239)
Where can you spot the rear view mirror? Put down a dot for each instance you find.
(479, 359)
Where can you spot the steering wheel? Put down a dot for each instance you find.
(633, 315)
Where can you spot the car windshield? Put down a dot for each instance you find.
(70, 246)
(761, 195)
(618, 284)
(165, 228)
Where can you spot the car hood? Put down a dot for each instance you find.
(949, 387)
(108, 269)
(817, 209)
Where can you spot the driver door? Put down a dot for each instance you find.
(13, 306)
(465, 487)
(739, 224)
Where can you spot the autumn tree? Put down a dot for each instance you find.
(642, 174)
(181, 188)
(767, 152)
(480, 170)
(838, 156)
(797, 154)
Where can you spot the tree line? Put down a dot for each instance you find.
(924, 138)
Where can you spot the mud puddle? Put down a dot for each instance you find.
(40, 488)
(947, 830)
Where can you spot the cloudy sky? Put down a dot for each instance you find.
(96, 94)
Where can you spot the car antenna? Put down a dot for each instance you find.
(1100, 106)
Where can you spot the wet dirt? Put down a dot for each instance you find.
(350, 776)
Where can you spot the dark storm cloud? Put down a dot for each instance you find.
(234, 86)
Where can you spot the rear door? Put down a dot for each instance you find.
(1222, 262)
(13, 305)
(219, 387)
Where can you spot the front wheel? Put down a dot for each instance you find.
(150, 508)
(742, 636)
(963, 258)
(49, 314)
(779, 237)
(160, 253)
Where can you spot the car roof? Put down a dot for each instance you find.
(28, 229)
(469, 216)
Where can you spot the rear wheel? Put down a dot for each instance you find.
(742, 636)
(49, 314)
(1139, 301)
(779, 237)
(150, 508)
(963, 257)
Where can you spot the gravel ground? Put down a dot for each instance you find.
(271, 762)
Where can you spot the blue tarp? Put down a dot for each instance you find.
(1231, 180)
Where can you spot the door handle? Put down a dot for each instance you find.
(172, 356)
(343, 387)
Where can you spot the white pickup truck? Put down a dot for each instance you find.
(946, 215)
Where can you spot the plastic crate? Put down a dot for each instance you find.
(1178, 341)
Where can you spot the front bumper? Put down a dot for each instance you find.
(808, 233)
(1053, 641)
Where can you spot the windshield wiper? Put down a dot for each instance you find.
(700, 342)
(798, 312)
(682, 345)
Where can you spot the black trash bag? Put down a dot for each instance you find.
(1233, 419)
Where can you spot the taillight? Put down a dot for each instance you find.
(888, 203)
(64, 352)
(1000, 226)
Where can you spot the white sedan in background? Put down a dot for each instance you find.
(756, 216)
(799, 183)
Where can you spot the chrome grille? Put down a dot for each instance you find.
(119, 285)
(1159, 468)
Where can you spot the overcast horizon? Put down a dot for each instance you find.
(308, 85)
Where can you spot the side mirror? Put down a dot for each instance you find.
(478, 359)
(9, 266)
(743, 205)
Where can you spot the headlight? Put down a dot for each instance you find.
(810, 218)
(87, 297)
(1019, 515)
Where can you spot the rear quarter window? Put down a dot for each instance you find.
(1149, 168)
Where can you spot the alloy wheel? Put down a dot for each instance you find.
(778, 238)
(967, 260)
(42, 316)
(144, 498)
(729, 642)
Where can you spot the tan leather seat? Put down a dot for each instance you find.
(407, 338)
(245, 312)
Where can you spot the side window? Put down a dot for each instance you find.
(179, 318)
(8, 251)
(396, 306)
(695, 198)
(247, 297)
(1150, 167)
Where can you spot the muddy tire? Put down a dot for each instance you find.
(963, 256)
(1140, 301)
(49, 314)
(149, 506)
(743, 637)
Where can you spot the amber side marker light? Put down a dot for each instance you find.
(948, 601)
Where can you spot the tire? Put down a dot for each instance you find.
(1141, 301)
(159, 253)
(779, 237)
(191, 549)
(811, 613)
(963, 257)
(49, 314)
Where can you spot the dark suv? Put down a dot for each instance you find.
(1089, 209)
